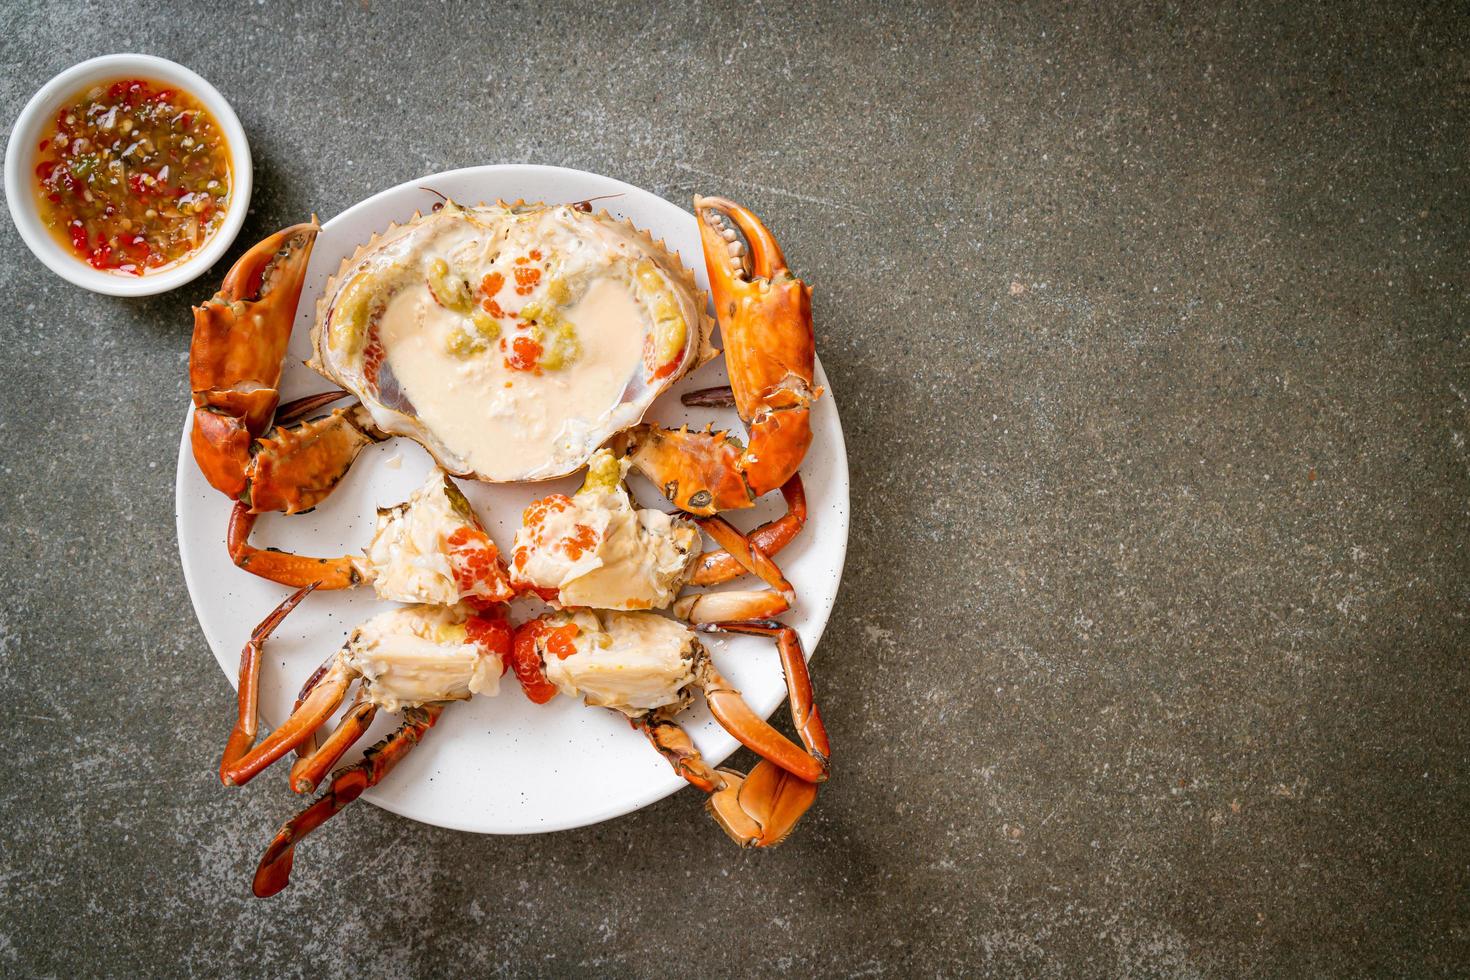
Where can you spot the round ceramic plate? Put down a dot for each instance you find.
(495, 764)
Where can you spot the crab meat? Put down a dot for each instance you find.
(431, 548)
(510, 341)
(596, 549)
(630, 662)
(412, 656)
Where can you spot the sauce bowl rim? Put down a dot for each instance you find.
(20, 191)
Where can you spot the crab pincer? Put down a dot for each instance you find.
(765, 317)
(235, 355)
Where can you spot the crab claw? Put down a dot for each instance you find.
(737, 247)
(765, 316)
(761, 809)
(239, 342)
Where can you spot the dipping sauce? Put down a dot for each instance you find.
(133, 176)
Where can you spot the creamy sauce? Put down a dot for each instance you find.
(503, 422)
(632, 662)
(412, 656)
(514, 343)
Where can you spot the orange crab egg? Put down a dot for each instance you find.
(490, 287)
(526, 280)
(582, 540)
(524, 355)
(475, 562)
(562, 641)
(493, 634)
(526, 662)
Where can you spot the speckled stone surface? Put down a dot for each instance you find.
(1149, 328)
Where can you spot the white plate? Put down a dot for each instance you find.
(495, 764)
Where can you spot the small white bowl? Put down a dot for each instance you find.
(21, 195)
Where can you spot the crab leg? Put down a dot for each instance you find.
(282, 566)
(762, 808)
(235, 355)
(804, 713)
(294, 468)
(714, 607)
(314, 711)
(274, 872)
(766, 320)
(242, 736)
(674, 744)
(309, 745)
(299, 408)
(757, 734)
(308, 771)
(717, 567)
(720, 396)
(758, 810)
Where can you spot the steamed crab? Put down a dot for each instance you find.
(414, 661)
(597, 549)
(517, 342)
(449, 643)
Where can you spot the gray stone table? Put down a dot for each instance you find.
(1148, 326)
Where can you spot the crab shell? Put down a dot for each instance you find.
(392, 411)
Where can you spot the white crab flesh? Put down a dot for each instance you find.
(408, 657)
(596, 549)
(632, 662)
(432, 549)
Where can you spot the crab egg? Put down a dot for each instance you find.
(596, 549)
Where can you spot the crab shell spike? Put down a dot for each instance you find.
(401, 420)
